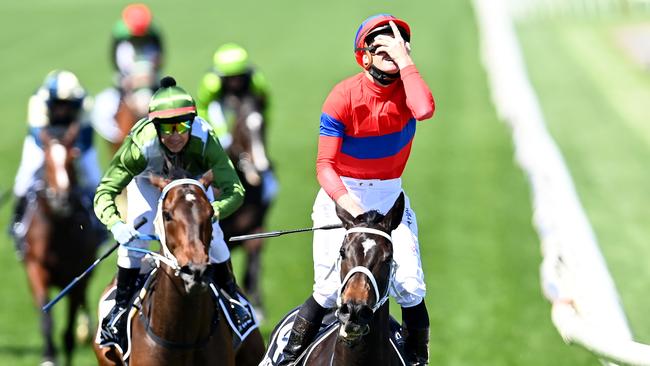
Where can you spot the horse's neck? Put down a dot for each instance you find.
(373, 349)
(177, 316)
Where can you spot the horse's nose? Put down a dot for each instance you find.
(197, 270)
(344, 313)
(359, 314)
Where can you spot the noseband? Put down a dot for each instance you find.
(362, 269)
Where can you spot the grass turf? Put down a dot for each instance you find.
(479, 252)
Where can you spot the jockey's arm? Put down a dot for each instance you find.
(226, 180)
(126, 164)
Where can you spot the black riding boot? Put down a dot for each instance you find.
(416, 346)
(225, 280)
(114, 324)
(415, 330)
(304, 329)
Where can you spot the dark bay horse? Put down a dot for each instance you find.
(59, 241)
(136, 90)
(362, 336)
(248, 154)
(177, 322)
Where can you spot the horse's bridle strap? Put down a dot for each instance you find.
(368, 230)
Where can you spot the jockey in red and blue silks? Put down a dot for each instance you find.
(367, 127)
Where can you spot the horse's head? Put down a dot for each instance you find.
(366, 267)
(248, 149)
(186, 225)
(59, 172)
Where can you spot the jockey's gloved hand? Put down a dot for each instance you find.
(123, 233)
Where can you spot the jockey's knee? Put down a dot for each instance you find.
(325, 299)
(129, 259)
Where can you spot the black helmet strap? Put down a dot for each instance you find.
(381, 76)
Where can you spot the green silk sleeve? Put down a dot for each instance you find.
(231, 191)
(127, 162)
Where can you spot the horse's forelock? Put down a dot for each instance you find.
(370, 218)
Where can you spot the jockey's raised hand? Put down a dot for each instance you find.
(123, 232)
(394, 46)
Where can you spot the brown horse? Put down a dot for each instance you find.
(248, 154)
(177, 322)
(59, 241)
(136, 90)
(362, 336)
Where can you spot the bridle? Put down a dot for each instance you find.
(380, 300)
(167, 256)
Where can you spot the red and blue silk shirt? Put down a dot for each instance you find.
(366, 130)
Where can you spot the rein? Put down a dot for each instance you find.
(362, 269)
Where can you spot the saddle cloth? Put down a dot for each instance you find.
(330, 324)
(147, 274)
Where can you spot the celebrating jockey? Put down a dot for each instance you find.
(171, 137)
(366, 130)
(136, 53)
(59, 102)
(230, 80)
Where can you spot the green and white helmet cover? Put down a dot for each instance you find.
(231, 59)
(171, 101)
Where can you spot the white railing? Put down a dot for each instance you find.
(585, 305)
(525, 9)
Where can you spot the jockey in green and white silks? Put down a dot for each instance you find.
(231, 78)
(59, 102)
(171, 137)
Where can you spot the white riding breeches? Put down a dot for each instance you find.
(142, 199)
(32, 160)
(409, 288)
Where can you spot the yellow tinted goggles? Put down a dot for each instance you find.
(167, 129)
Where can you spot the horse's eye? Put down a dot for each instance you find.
(167, 216)
(342, 253)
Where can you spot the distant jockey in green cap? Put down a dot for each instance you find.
(231, 79)
(171, 137)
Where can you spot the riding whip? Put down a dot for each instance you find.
(76, 280)
(271, 234)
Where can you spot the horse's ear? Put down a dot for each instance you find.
(394, 216)
(207, 178)
(71, 134)
(158, 181)
(345, 216)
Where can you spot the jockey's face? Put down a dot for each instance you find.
(63, 113)
(382, 61)
(175, 141)
(235, 84)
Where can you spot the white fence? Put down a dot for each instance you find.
(585, 305)
(525, 9)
